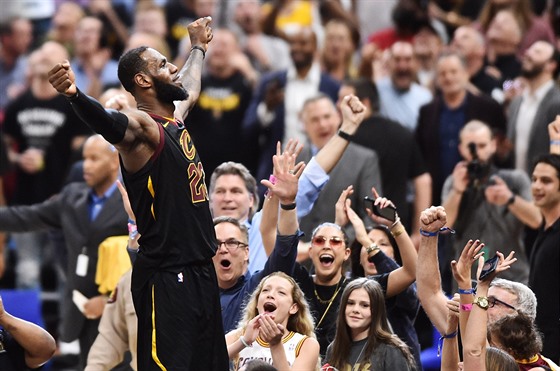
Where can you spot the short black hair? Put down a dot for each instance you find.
(130, 64)
(365, 89)
(550, 159)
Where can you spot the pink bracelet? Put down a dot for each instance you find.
(466, 307)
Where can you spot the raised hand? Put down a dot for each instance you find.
(353, 112)
(504, 263)
(62, 78)
(341, 218)
(381, 202)
(200, 32)
(286, 173)
(433, 218)
(358, 224)
(462, 268)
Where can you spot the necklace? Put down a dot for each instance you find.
(322, 301)
(360, 355)
(330, 301)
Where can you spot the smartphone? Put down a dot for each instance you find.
(389, 212)
(489, 267)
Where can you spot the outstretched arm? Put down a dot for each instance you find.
(38, 344)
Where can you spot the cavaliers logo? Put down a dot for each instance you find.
(187, 145)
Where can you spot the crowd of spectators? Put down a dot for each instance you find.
(461, 108)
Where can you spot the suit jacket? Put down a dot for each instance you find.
(69, 212)
(269, 136)
(539, 141)
(358, 166)
(480, 108)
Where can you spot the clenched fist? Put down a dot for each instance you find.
(62, 79)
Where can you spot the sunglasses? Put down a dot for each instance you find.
(492, 301)
(320, 241)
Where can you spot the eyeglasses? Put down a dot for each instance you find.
(320, 241)
(492, 301)
(231, 244)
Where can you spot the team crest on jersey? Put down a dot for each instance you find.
(187, 145)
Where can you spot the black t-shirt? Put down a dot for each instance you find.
(400, 159)
(12, 356)
(49, 125)
(170, 201)
(485, 83)
(544, 280)
(215, 123)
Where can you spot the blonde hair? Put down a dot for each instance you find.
(301, 321)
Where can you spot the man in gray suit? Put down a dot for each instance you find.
(530, 113)
(358, 166)
(87, 213)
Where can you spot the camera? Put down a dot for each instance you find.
(476, 169)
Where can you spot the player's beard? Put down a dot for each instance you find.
(168, 93)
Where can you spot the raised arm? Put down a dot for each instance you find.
(428, 280)
(402, 277)
(474, 337)
(315, 176)
(200, 34)
(39, 346)
(132, 132)
(269, 221)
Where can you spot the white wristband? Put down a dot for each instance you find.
(244, 342)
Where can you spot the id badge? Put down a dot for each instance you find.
(82, 265)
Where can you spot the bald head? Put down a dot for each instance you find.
(101, 163)
(469, 42)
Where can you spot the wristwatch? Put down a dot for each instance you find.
(482, 302)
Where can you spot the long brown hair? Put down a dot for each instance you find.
(379, 331)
